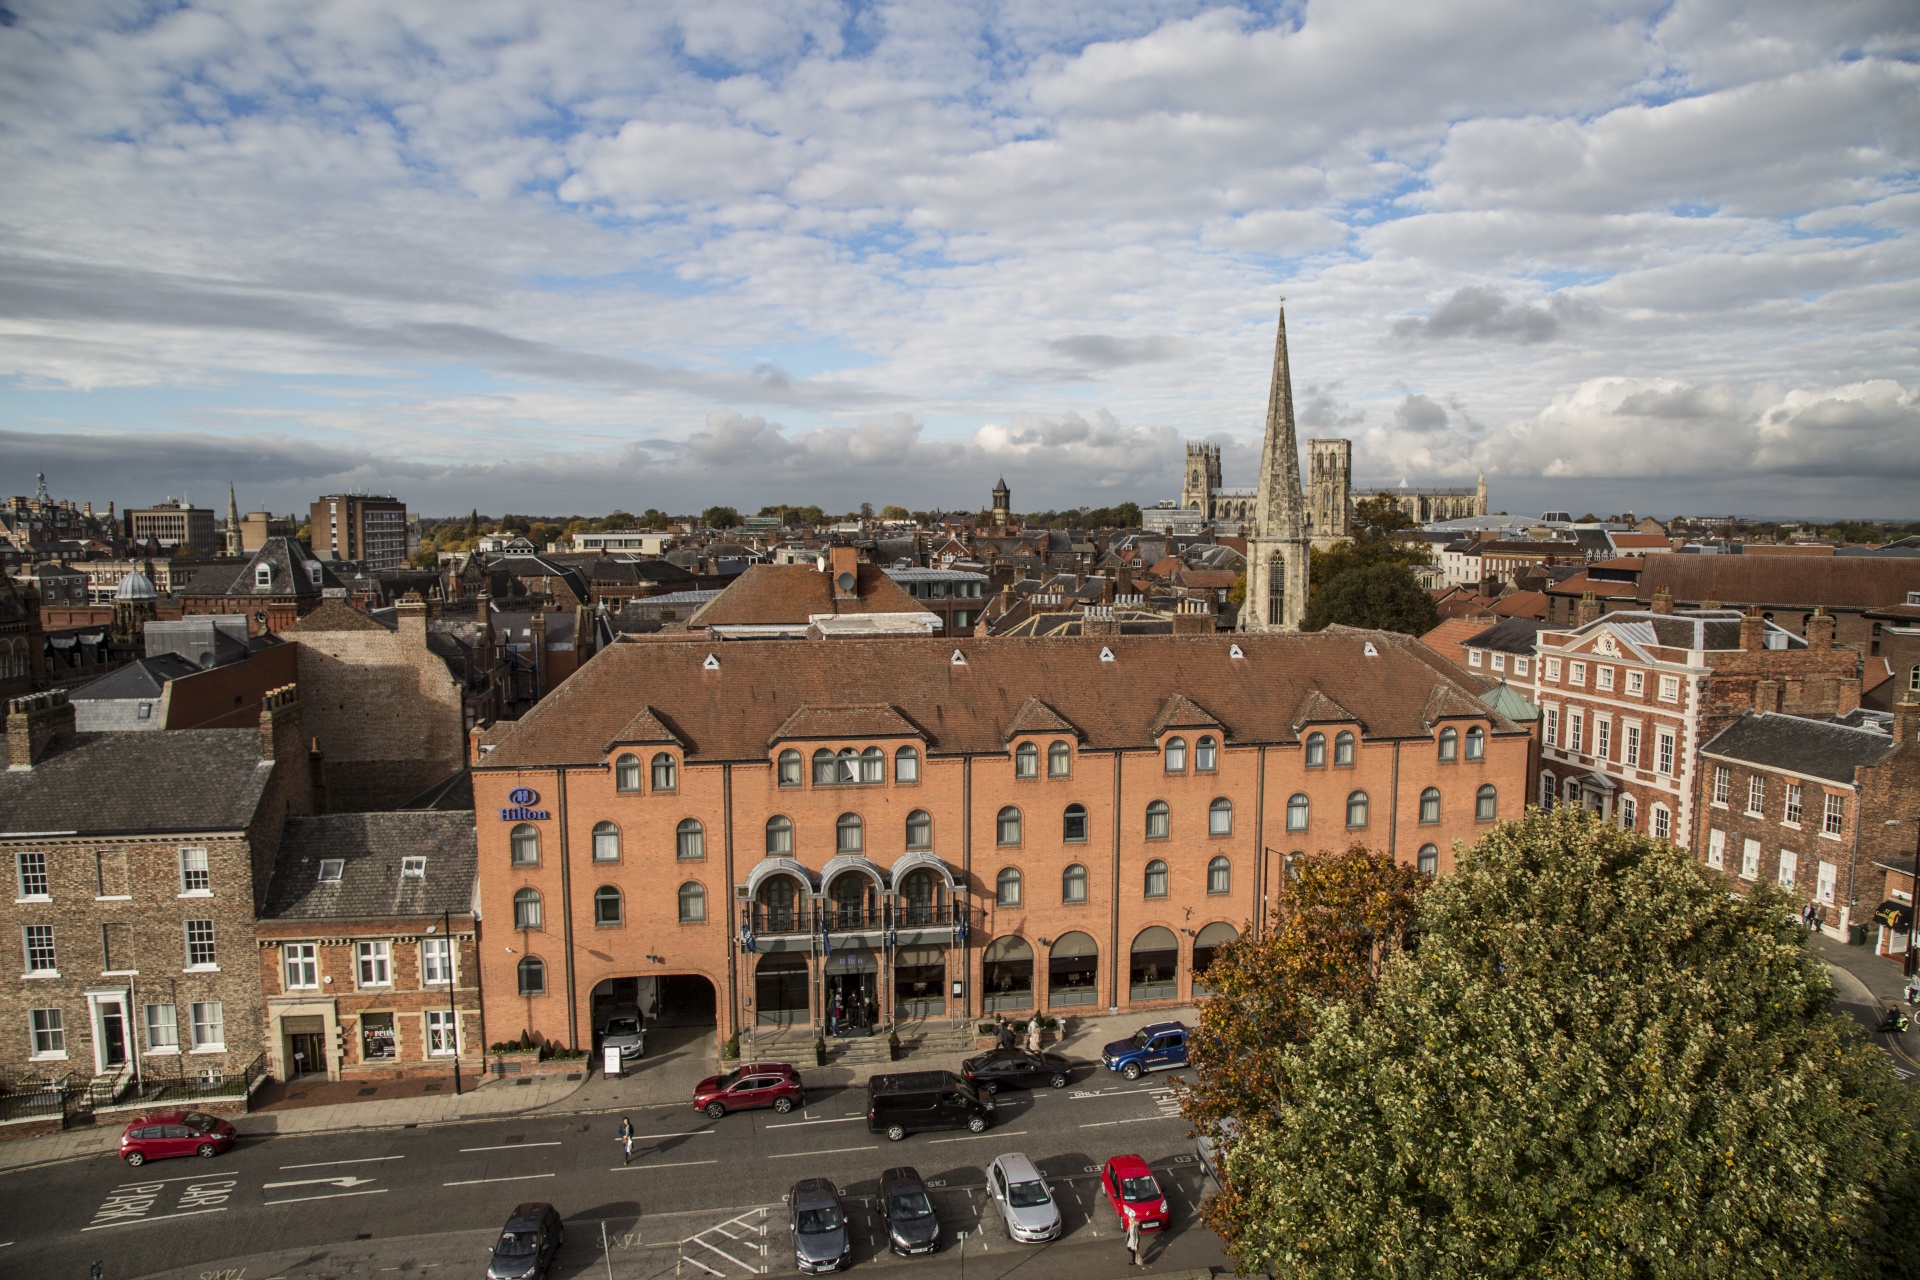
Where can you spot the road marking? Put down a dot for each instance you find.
(331, 1195)
(703, 1266)
(348, 1181)
(511, 1146)
(1101, 1124)
(321, 1164)
(795, 1124)
(518, 1177)
(975, 1137)
(159, 1217)
(831, 1151)
(155, 1182)
(683, 1164)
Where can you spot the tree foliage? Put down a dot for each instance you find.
(720, 517)
(1382, 595)
(1378, 533)
(1598, 1063)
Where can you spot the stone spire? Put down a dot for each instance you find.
(233, 522)
(1277, 546)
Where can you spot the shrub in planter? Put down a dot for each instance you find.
(820, 1051)
(731, 1049)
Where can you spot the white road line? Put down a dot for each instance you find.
(321, 1164)
(683, 1164)
(155, 1182)
(518, 1177)
(750, 1270)
(510, 1146)
(831, 1151)
(795, 1124)
(158, 1217)
(1101, 1124)
(703, 1266)
(334, 1195)
(975, 1137)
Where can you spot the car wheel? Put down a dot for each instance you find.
(715, 1110)
(1131, 1071)
(205, 1150)
(991, 1086)
(135, 1159)
(895, 1132)
(1059, 1080)
(977, 1124)
(783, 1105)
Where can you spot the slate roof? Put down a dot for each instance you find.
(1784, 581)
(872, 721)
(1811, 748)
(1511, 635)
(790, 594)
(133, 783)
(141, 678)
(335, 615)
(370, 886)
(291, 565)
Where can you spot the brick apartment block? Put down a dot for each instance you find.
(967, 825)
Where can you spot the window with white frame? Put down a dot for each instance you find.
(32, 871)
(1791, 813)
(1499, 662)
(436, 961)
(163, 1029)
(200, 953)
(39, 948)
(414, 868)
(194, 876)
(1576, 731)
(1749, 859)
(1627, 813)
(49, 1033)
(1666, 760)
(376, 963)
(1756, 795)
(1577, 673)
(1520, 666)
(1722, 784)
(1832, 815)
(1630, 745)
(1661, 823)
(1636, 683)
(442, 1033)
(1669, 688)
(331, 869)
(1717, 849)
(1603, 738)
(1551, 731)
(209, 1027)
(1789, 863)
(1829, 876)
(300, 965)
(1552, 669)
(1473, 657)
(1603, 679)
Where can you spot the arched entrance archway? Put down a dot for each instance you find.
(1153, 971)
(1073, 971)
(1007, 975)
(1205, 945)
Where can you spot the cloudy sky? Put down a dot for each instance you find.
(558, 257)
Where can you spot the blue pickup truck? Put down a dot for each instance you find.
(1159, 1046)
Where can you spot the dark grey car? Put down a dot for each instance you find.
(528, 1243)
(819, 1222)
(907, 1209)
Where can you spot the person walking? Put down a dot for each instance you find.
(626, 1141)
(1133, 1239)
(1033, 1034)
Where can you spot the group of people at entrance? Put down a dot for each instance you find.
(851, 1013)
(1007, 1039)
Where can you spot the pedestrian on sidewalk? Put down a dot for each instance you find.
(1133, 1239)
(626, 1140)
(1913, 989)
(1033, 1034)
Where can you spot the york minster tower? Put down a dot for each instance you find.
(1278, 547)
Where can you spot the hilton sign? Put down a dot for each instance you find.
(521, 809)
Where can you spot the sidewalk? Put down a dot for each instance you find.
(1868, 984)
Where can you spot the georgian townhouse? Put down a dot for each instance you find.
(949, 827)
(1626, 699)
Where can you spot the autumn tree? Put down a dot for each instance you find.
(1598, 1062)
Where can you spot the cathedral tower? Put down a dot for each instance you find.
(1002, 504)
(1203, 477)
(1329, 489)
(1278, 549)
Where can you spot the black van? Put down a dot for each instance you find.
(919, 1100)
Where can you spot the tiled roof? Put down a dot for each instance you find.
(371, 846)
(1182, 712)
(335, 615)
(1521, 604)
(1788, 581)
(730, 713)
(290, 566)
(1035, 716)
(645, 727)
(1510, 635)
(141, 678)
(129, 783)
(789, 594)
(869, 721)
(1812, 748)
(1453, 633)
(1317, 708)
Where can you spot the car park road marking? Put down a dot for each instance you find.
(511, 1146)
(975, 1137)
(159, 1217)
(683, 1164)
(831, 1151)
(135, 1201)
(346, 1180)
(331, 1195)
(795, 1124)
(321, 1164)
(518, 1177)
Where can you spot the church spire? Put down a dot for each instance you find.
(1279, 511)
(233, 522)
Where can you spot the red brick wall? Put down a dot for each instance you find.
(228, 697)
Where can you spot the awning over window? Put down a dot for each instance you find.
(1897, 916)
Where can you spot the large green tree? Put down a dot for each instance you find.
(1383, 595)
(1597, 1063)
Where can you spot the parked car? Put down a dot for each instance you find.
(819, 1222)
(907, 1209)
(1207, 1147)
(1159, 1046)
(174, 1133)
(916, 1101)
(1133, 1193)
(528, 1244)
(998, 1067)
(627, 1034)
(1024, 1200)
(751, 1085)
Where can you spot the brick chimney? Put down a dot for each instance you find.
(1662, 600)
(1820, 631)
(1766, 695)
(1588, 610)
(1194, 618)
(1906, 715)
(1099, 620)
(280, 735)
(843, 564)
(1753, 631)
(412, 616)
(32, 720)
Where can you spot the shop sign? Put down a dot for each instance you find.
(520, 806)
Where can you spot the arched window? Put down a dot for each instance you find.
(664, 772)
(1006, 887)
(606, 842)
(1429, 860)
(1026, 761)
(1219, 876)
(853, 900)
(1159, 820)
(1316, 750)
(1476, 743)
(1343, 747)
(693, 903)
(626, 773)
(906, 765)
(779, 836)
(606, 905)
(1206, 754)
(1449, 743)
(1156, 885)
(1176, 755)
(526, 909)
(920, 892)
(873, 765)
(849, 835)
(1073, 884)
(790, 768)
(1220, 817)
(846, 766)
(1007, 826)
(919, 830)
(1059, 760)
(1073, 824)
(825, 771)
(1913, 679)
(1297, 811)
(1627, 812)
(777, 913)
(1486, 804)
(1430, 805)
(690, 839)
(525, 845)
(533, 976)
(1357, 809)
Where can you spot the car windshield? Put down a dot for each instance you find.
(1027, 1195)
(623, 1027)
(517, 1244)
(814, 1221)
(911, 1204)
(1136, 1190)
(1139, 1039)
(198, 1121)
(721, 1082)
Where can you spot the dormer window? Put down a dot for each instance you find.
(413, 868)
(331, 870)
(313, 572)
(263, 575)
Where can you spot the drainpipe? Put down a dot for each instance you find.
(1393, 809)
(733, 971)
(1259, 843)
(566, 909)
(1113, 929)
(966, 881)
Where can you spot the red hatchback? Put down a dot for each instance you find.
(1133, 1193)
(750, 1085)
(174, 1133)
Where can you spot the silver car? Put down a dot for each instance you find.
(819, 1222)
(1026, 1204)
(1207, 1147)
(628, 1035)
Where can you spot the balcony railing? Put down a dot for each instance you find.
(768, 921)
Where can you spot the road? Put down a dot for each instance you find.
(702, 1197)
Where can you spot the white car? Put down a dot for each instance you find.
(1024, 1200)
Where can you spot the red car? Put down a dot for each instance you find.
(1133, 1193)
(174, 1133)
(750, 1085)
